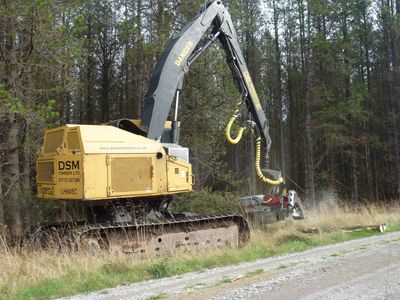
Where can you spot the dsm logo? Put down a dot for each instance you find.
(68, 165)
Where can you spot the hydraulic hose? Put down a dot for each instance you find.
(258, 168)
(236, 140)
(228, 128)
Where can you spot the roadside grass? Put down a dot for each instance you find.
(31, 274)
(158, 297)
(254, 273)
(285, 266)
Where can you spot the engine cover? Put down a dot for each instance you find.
(98, 162)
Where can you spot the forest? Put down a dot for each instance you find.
(327, 73)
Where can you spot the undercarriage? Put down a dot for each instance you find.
(145, 229)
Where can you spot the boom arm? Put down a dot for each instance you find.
(181, 52)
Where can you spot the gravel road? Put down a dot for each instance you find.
(359, 269)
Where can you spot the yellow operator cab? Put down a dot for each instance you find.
(98, 162)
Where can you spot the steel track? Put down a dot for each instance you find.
(150, 239)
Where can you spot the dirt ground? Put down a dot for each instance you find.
(359, 269)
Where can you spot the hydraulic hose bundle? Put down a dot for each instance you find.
(228, 128)
(259, 172)
(236, 140)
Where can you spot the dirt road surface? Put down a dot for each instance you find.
(359, 269)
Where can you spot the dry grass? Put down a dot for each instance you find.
(329, 216)
(54, 274)
(24, 267)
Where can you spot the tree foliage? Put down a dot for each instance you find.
(327, 73)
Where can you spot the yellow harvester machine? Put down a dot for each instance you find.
(125, 173)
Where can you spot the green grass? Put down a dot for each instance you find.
(289, 265)
(125, 270)
(224, 280)
(393, 227)
(283, 266)
(254, 273)
(158, 297)
(195, 286)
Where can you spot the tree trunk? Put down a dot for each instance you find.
(391, 69)
(309, 146)
(13, 175)
(2, 220)
(354, 190)
(126, 82)
(369, 171)
(13, 74)
(376, 175)
(279, 88)
(306, 71)
(90, 74)
(1, 204)
(105, 89)
(138, 67)
(26, 178)
(395, 102)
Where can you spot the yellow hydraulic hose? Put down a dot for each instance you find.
(258, 149)
(239, 135)
(258, 169)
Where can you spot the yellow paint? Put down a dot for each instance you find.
(131, 174)
(167, 125)
(179, 176)
(66, 179)
(97, 162)
(252, 90)
(184, 53)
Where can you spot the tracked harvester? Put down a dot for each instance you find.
(125, 173)
(126, 182)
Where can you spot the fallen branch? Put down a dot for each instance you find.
(312, 230)
(237, 278)
(380, 228)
